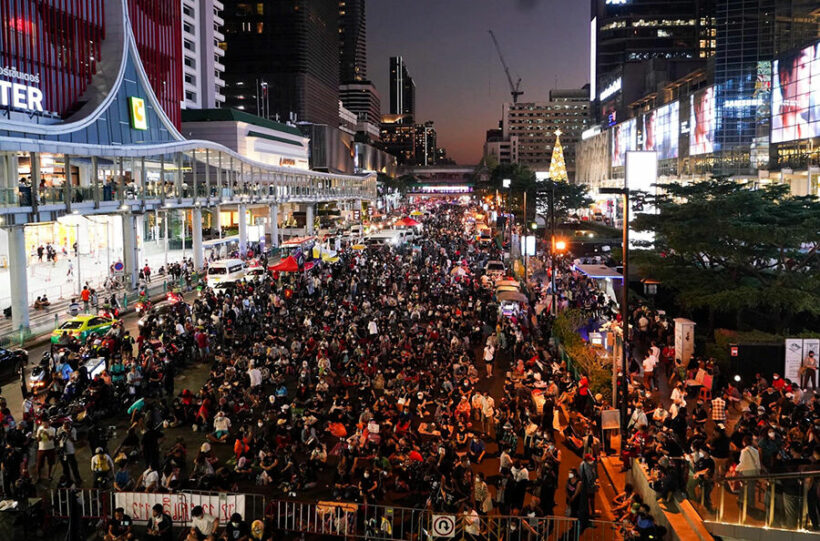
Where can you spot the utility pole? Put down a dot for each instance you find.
(624, 304)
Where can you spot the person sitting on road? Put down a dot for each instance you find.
(119, 527)
(101, 467)
(222, 427)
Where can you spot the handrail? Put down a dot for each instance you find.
(769, 477)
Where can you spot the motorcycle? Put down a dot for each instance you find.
(142, 307)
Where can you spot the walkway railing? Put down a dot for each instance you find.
(326, 518)
(394, 523)
(787, 501)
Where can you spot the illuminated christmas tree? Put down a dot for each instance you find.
(558, 167)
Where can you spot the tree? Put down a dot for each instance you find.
(558, 168)
(568, 198)
(726, 247)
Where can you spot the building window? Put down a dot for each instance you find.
(189, 45)
(190, 79)
(190, 96)
(190, 62)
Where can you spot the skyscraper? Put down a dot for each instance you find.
(402, 90)
(639, 45)
(357, 93)
(202, 66)
(352, 41)
(282, 59)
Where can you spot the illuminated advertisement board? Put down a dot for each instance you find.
(660, 131)
(624, 139)
(702, 122)
(796, 95)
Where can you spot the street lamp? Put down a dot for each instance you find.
(507, 184)
(557, 246)
(624, 299)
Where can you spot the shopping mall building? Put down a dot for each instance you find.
(92, 156)
(754, 121)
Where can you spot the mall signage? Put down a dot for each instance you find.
(139, 120)
(17, 92)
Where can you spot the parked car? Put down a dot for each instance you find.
(10, 362)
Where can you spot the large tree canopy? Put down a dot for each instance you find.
(568, 197)
(726, 246)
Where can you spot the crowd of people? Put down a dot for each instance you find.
(392, 376)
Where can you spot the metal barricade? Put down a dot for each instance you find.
(395, 523)
(91, 503)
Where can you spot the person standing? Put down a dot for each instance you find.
(588, 472)
(809, 371)
(748, 466)
(45, 448)
(489, 353)
(67, 438)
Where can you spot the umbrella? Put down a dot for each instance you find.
(513, 296)
(508, 283)
(407, 222)
(358, 247)
(460, 271)
(416, 213)
(500, 289)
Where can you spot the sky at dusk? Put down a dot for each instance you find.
(460, 83)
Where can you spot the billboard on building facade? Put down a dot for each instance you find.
(796, 95)
(703, 122)
(661, 128)
(624, 139)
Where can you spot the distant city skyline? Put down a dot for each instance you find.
(460, 84)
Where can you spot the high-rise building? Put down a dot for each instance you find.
(282, 59)
(357, 93)
(533, 125)
(202, 68)
(402, 90)
(750, 34)
(352, 41)
(638, 46)
(425, 144)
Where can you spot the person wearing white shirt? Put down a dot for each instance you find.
(150, 479)
(489, 353)
(649, 380)
(372, 328)
(748, 465)
(255, 376)
(222, 426)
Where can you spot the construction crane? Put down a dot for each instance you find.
(515, 88)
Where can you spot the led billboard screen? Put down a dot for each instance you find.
(702, 122)
(660, 131)
(624, 139)
(796, 95)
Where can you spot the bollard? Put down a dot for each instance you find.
(56, 321)
(22, 335)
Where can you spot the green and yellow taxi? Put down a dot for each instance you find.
(83, 327)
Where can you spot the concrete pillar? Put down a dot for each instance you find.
(196, 229)
(131, 250)
(273, 226)
(243, 230)
(309, 218)
(18, 278)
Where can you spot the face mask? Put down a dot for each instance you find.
(572, 476)
(771, 435)
(367, 476)
(235, 524)
(260, 425)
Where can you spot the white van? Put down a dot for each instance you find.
(389, 237)
(227, 270)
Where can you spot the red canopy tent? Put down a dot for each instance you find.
(407, 222)
(289, 264)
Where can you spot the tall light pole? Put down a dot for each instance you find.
(624, 300)
(507, 183)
